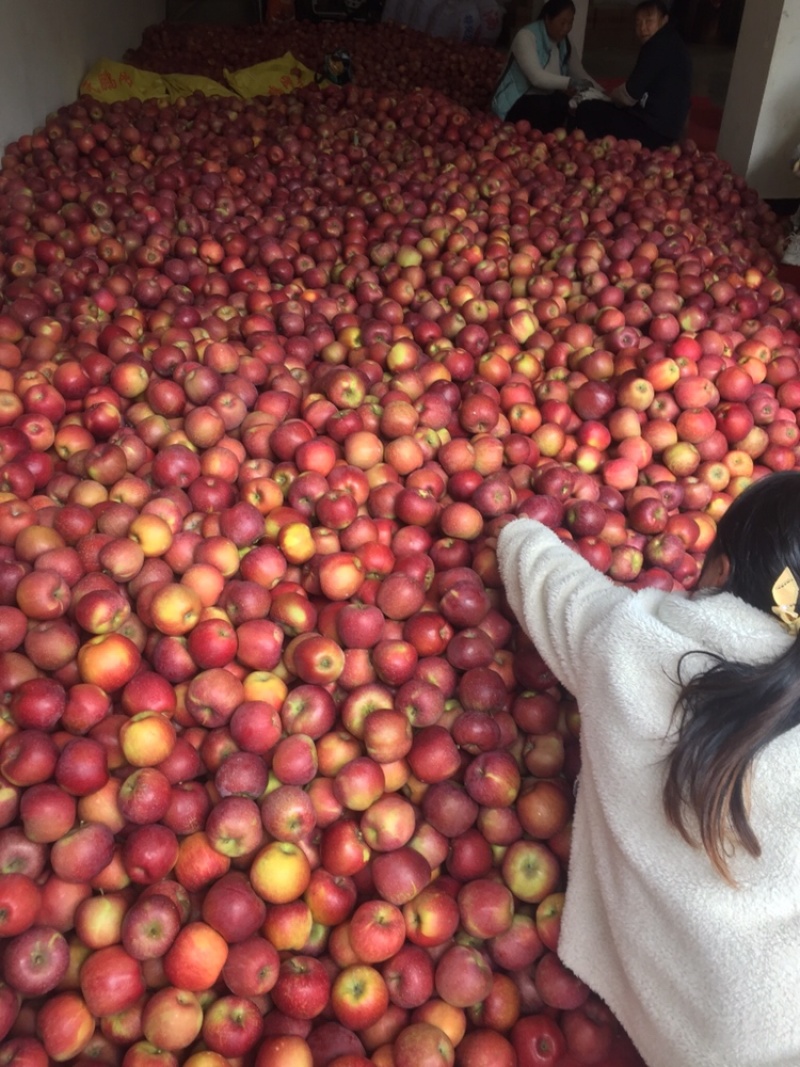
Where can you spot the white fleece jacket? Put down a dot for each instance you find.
(699, 973)
(545, 79)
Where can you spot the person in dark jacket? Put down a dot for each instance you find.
(653, 104)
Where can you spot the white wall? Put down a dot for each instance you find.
(578, 35)
(48, 45)
(761, 125)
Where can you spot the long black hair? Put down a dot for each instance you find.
(728, 714)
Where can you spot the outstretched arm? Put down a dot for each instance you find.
(561, 601)
(577, 72)
(647, 66)
(621, 97)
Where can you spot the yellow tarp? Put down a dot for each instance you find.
(186, 84)
(272, 78)
(109, 81)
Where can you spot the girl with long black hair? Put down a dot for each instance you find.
(683, 902)
(542, 71)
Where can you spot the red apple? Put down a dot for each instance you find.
(36, 960)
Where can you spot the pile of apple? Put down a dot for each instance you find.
(385, 56)
(281, 783)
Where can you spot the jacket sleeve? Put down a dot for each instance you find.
(523, 48)
(646, 69)
(579, 72)
(561, 600)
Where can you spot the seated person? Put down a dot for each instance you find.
(542, 71)
(653, 104)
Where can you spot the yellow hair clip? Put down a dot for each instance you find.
(785, 592)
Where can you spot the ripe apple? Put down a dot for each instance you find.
(359, 996)
(543, 807)
(400, 875)
(485, 1048)
(150, 926)
(376, 931)
(530, 870)
(232, 907)
(111, 981)
(486, 908)
(195, 959)
(232, 1026)
(233, 826)
(99, 918)
(20, 899)
(172, 1018)
(251, 968)
(463, 976)
(409, 977)
(64, 1025)
(388, 825)
(424, 1045)
(36, 960)
(538, 1041)
(302, 988)
(149, 853)
(284, 1050)
(82, 854)
(548, 919)
(199, 863)
(288, 813)
(558, 986)
(280, 872)
(589, 1030)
